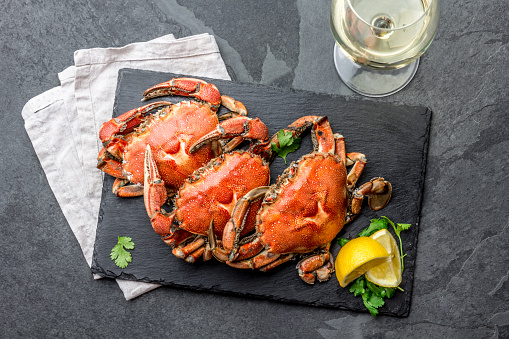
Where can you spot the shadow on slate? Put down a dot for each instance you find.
(394, 139)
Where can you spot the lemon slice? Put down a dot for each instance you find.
(356, 257)
(387, 274)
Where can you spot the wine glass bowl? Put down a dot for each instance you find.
(379, 42)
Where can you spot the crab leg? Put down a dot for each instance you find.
(155, 192)
(126, 122)
(340, 149)
(281, 260)
(261, 259)
(191, 258)
(207, 254)
(198, 89)
(359, 161)
(184, 251)
(316, 266)
(193, 251)
(243, 127)
(189, 87)
(220, 254)
(323, 140)
(246, 250)
(230, 145)
(123, 188)
(178, 236)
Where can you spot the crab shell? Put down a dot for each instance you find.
(307, 207)
(170, 133)
(212, 192)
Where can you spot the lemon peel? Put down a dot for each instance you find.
(358, 256)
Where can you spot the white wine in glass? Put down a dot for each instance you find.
(379, 42)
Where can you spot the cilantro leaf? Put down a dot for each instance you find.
(287, 144)
(373, 288)
(372, 301)
(376, 301)
(358, 286)
(403, 227)
(342, 241)
(366, 299)
(119, 253)
(387, 292)
(374, 226)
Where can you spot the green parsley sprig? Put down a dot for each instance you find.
(119, 253)
(287, 144)
(373, 296)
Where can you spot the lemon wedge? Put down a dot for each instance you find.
(358, 256)
(387, 274)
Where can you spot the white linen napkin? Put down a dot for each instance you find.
(63, 123)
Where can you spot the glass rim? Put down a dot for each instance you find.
(392, 29)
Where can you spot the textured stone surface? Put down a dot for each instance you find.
(461, 286)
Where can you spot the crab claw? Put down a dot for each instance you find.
(154, 195)
(243, 127)
(154, 190)
(380, 194)
(378, 191)
(233, 105)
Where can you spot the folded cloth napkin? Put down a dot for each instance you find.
(63, 123)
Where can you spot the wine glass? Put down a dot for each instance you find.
(379, 42)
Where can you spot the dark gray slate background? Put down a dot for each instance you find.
(394, 139)
(461, 285)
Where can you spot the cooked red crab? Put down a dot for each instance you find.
(304, 211)
(207, 197)
(170, 133)
(205, 201)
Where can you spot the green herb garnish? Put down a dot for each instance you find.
(374, 226)
(119, 253)
(287, 144)
(373, 296)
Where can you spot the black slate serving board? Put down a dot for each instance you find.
(394, 139)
